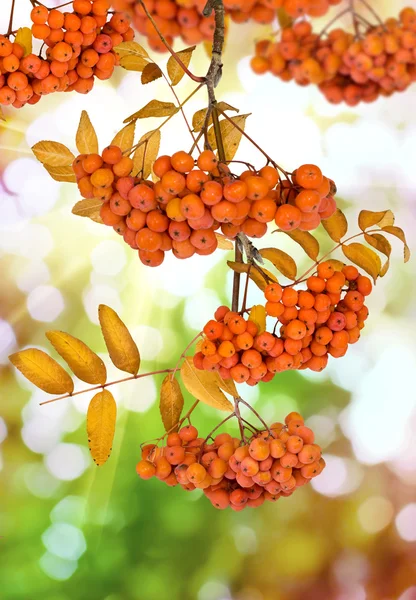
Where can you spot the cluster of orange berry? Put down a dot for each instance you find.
(236, 473)
(182, 211)
(319, 321)
(346, 69)
(300, 8)
(183, 18)
(79, 48)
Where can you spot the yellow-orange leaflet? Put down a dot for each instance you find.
(81, 360)
(171, 403)
(120, 345)
(101, 423)
(42, 371)
(204, 386)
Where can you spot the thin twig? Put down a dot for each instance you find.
(106, 385)
(254, 412)
(169, 47)
(183, 354)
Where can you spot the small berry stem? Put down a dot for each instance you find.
(10, 28)
(106, 385)
(373, 12)
(169, 47)
(195, 141)
(270, 160)
(334, 20)
(240, 420)
(173, 371)
(134, 148)
(240, 400)
(230, 416)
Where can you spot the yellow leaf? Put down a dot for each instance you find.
(42, 371)
(24, 39)
(2, 117)
(89, 207)
(133, 63)
(150, 73)
(369, 218)
(120, 345)
(255, 273)
(203, 385)
(284, 19)
(101, 425)
(124, 139)
(231, 136)
(380, 243)
(223, 242)
(146, 153)
(198, 119)
(171, 403)
(53, 154)
(130, 49)
(86, 138)
(175, 71)
(399, 233)
(227, 385)
(82, 361)
(337, 265)
(306, 240)
(282, 261)
(156, 108)
(363, 257)
(336, 226)
(62, 174)
(258, 316)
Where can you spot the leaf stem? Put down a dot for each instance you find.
(169, 47)
(238, 257)
(240, 400)
(134, 148)
(10, 28)
(106, 385)
(183, 354)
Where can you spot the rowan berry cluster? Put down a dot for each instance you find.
(319, 321)
(344, 67)
(183, 18)
(300, 8)
(235, 473)
(79, 49)
(182, 211)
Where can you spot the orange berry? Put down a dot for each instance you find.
(182, 162)
(145, 469)
(309, 176)
(207, 161)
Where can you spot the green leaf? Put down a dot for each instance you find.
(336, 226)
(281, 260)
(175, 71)
(363, 257)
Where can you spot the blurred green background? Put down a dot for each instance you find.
(72, 531)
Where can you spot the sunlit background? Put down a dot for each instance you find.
(71, 531)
